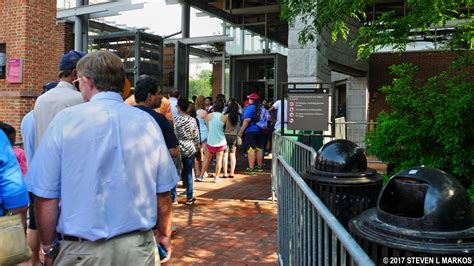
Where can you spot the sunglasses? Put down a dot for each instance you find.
(76, 82)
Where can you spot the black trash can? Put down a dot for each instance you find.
(341, 179)
(423, 216)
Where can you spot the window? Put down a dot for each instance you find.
(3, 60)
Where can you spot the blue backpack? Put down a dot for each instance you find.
(263, 118)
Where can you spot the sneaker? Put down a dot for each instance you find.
(249, 171)
(175, 202)
(198, 179)
(217, 180)
(258, 169)
(182, 193)
(190, 202)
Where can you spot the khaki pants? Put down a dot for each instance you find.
(130, 249)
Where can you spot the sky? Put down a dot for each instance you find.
(161, 19)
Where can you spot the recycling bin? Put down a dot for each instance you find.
(341, 179)
(424, 216)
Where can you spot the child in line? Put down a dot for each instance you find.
(19, 153)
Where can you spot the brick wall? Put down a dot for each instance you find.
(217, 79)
(30, 32)
(430, 63)
(168, 69)
(65, 31)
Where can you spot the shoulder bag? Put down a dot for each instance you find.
(13, 246)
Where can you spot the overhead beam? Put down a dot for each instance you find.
(203, 14)
(98, 10)
(202, 40)
(104, 27)
(116, 10)
(256, 10)
(201, 53)
(205, 7)
(86, 10)
(172, 2)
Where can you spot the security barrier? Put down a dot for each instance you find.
(308, 233)
(298, 155)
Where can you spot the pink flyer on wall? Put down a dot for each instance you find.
(14, 70)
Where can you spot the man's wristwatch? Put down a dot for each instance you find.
(52, 251)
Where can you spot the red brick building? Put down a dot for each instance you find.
(29, 32)
(429, 63)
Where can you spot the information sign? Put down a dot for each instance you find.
(308, 109)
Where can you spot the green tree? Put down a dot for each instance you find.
(386, 29)
(431, 121)
(202, 85)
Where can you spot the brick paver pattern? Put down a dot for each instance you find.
(231, 223)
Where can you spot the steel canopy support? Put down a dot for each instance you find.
(185, 19)
(83, 12)
(78, 29)
(85, 29)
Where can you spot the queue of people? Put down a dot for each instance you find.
(102, 173)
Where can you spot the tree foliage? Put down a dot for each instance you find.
(431, 123)
(386, 29)
(202, 85)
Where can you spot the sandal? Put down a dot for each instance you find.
(230, 176)
(224, 176)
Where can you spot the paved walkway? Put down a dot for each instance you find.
(231, 223)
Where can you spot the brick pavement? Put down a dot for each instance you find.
(231, 223)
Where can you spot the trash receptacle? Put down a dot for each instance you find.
(342, 181)
(423, 216)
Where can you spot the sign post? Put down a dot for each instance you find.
(309, 109)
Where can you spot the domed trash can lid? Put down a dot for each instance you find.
(425, 198)
(421, 209)
(342, 160)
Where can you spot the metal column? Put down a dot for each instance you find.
(185, 19)
(85, 29)
(78, 29)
